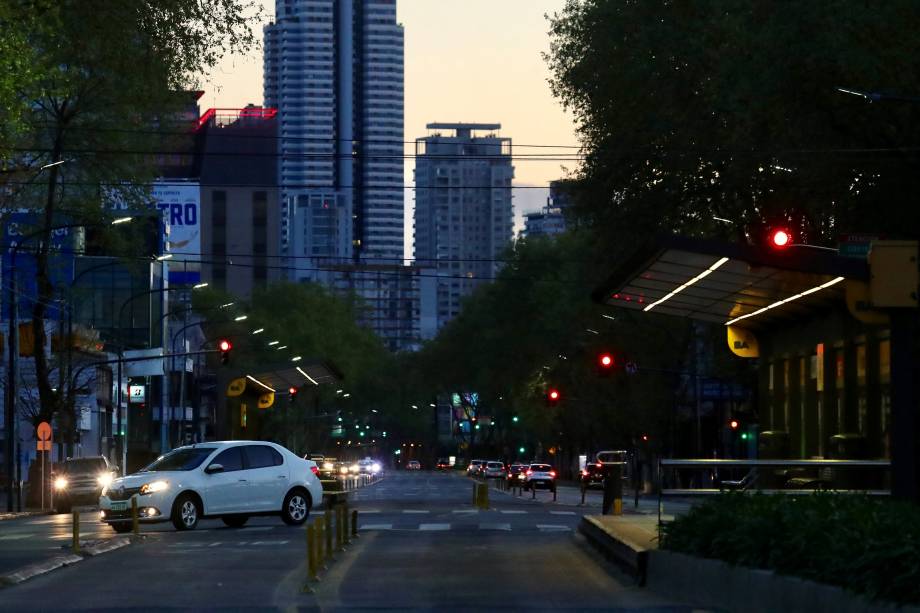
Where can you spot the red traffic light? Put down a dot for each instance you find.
(780, 238)
(605, 360)
(554, 394)
(734, 424)
(225, 345)
(292, 390)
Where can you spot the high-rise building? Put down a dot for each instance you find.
(334, 71)
(552, 219)
(463, 211)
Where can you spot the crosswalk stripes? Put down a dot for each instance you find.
(512, 511)
(562, 512)
(465, 511)
(552, 528)
(495, 526)
(416, 511)
(377, 527)
(437, 527)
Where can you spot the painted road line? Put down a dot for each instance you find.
(512, 511)
(258, 528)
(377, 527)
(552, 528)
(465, 511)
(490, 526)
(435, 527)
(416, 511)
(217, 544)
(15, 537)
(368, 511)
(562, 512)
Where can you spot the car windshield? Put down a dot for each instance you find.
(494, 465)
(541, 468)
(188, 458)
(83, 465)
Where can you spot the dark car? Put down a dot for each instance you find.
(443, 464)
(516, 473)
(594, 473)
(80, 481)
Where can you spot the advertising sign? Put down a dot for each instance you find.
(180, 204)
(136, 393)
(19, 233)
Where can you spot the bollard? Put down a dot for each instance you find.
(485, 495)
(319, 538)
(475, 495)
(354, 524)
(583, 490)
(311, 560)
(135, 524)
(339, 541)
(327, 530)
(76, 532)
(533, 491)
(345, 531)
(554, 492)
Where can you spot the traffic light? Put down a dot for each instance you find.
(780, 238)
(605, 364)
(734, 424)
(515, 419)
(552, 397)
(292, 394)
(225, 346)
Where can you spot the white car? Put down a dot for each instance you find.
(233, 480)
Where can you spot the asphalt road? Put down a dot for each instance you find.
(422, 546)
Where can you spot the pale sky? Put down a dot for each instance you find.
(465, 60)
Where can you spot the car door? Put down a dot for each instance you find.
(227, 491)
(268, 477)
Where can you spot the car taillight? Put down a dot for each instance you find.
(585, 473)
(552, 474)
(529, 472)
(315, 470)
(599, 465)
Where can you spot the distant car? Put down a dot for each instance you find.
(327, 468)
(80, 481)
(443, 464)
(367, 466)
(475, 468)
(413, 465)
(593, 474)
(516, 473)
(540, 476)
(232, 480)
(494, 470)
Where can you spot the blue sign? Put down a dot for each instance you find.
(19, 237)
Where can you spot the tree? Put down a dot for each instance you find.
(693, 110)
(104, 80)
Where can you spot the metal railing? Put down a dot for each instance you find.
(709, 476)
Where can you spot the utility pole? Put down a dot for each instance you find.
(11, 373)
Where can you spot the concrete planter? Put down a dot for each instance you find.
(717, 584)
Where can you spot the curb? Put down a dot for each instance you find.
(631, 555)
(41, 568)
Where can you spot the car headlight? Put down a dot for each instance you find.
(153, 486)
(343, 470)
(375, 467)
(328, 466)
(105, 479)
(60, 483)
(355, 468)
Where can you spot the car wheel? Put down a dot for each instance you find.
(296, 507)
(235, 521)
(185, 512)
(121, 527)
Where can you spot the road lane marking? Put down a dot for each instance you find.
(465, 511)
(562, 512)
(15, 537)
(438, 527)
(377, 527)
(512, 511)
(368, 511)
(417, 511)
(258, 528)
(214, 544)
(506, 527)
(552, 528)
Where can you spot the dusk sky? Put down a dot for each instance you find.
(471, 61)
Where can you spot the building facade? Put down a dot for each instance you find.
(334, 71)
(463, 208)
(552, 219)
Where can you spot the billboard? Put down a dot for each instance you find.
(180, 203)
(19, 232)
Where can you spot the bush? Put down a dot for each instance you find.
(868, 545)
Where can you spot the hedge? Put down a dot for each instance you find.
(865, 544)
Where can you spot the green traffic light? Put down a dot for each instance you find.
(515, 419)
(520, 450)
(361, 434)
(744, 436)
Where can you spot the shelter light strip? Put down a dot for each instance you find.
(702, 275)
(312, 380)
(254, 380)
(817, 288)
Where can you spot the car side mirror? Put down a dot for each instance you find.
(214, 468)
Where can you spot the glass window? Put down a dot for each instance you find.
(260, 456)
(181, 459)
(231, 459)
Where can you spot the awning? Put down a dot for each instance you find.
(284, 376)
(727, 283)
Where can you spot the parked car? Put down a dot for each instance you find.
(540, 476)
(516, 473)
(443, 464)
(80, 481)
(494, 470)
(474, 469)
(413, 465)
(232, 480)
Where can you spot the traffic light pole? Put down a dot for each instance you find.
(904, 402)
(11, 373)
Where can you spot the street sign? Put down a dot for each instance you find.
(43, 434)
(136, 393)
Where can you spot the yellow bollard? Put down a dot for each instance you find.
(327, 530)
(320, 536)
(76, 532)
(311, 559)
(135, 524)
(617, 506)
(354, 524)
(346, 534)
(339, 539)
